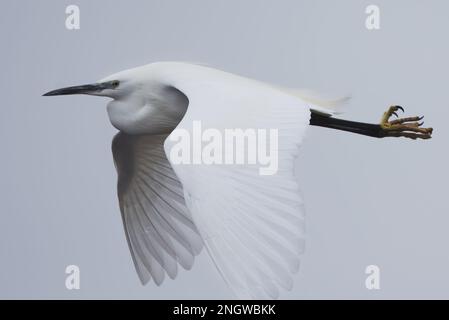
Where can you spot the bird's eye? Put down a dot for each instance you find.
(115, 83)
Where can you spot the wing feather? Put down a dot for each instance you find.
(158, 226)
(252, 225)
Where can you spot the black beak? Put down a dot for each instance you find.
(83, 89)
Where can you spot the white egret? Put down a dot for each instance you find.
(252, 225)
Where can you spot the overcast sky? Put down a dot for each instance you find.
(368, 201)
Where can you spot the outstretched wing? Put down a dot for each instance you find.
(252, 224)
(158, 226)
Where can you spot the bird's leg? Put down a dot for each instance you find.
(409, 127)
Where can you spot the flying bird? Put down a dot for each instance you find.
(251, 225)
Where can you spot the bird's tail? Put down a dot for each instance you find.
(318, 102)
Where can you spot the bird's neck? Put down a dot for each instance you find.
(153, 109)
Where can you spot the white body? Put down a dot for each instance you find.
(251, 225)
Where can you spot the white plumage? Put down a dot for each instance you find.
(251, 225)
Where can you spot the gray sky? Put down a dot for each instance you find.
(368, 201)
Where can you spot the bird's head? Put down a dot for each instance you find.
(143, 100)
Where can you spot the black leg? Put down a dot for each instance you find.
(366, 129)
(409, 127)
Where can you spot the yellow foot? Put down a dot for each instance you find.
(409, 127)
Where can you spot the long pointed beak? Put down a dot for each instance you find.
(83, 89)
